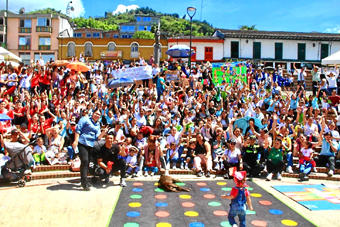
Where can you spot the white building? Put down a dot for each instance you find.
(278, 47)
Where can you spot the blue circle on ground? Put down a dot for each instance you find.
(205, 189)
(132, 214)
(276, 212)
(196, 224)
(161, 204)
(137, 189)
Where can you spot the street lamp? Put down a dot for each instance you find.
(191, 11)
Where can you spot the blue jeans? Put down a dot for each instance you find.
(289, 158)
(306, 168)
(235, 210)
(180, 151)
(130, 169)
(151, 168)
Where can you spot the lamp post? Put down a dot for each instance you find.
(191, 11)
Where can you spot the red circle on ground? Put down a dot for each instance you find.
(258, 223)
(209, 196)
(137, 184)
(265, 203)
(188, 204)
(201, 184)
(160, 196)
(162, 214)
(220, 213)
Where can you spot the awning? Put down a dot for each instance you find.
(332, 59)
(9, 56)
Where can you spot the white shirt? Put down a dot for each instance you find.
(39, 150)
(332, 83)
(309, 129)
(13, 76)
(141, 121)
(232, 156)
(306, 152)
(132, 160)
(173, 139)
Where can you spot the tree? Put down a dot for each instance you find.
(245, 27)
(143, 35)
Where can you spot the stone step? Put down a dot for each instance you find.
(54, 174)
(42, 168)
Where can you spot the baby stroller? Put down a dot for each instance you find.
(21, 159)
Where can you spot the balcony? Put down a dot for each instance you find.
(24, 30)
(44, 29)
(44, 47)
(24, 47)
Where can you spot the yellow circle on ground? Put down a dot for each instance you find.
(163, 224)
(256, 195)
(289, 223)
(185, 196)
(191, 214)
(156, 184)
(221, 183)
(135, 204)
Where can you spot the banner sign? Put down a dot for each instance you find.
(229, 72)
(138, 73)
(172, 76)
(111, 54)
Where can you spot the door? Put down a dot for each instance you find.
(278, 51)
(324, 50)
(257, 50)
(301, 51)
(193, 57)
(208, 54)
(234, 49)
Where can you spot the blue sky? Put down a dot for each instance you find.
(271, 15)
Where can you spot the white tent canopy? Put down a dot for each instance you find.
(331, 59)
(9, 56)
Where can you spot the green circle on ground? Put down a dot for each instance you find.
(180, 184)
(225, 224)
(250, 189)
(214, 204)
(250, 212)
(226, 189)
(159, 190)
(131, 224)
(135, 196)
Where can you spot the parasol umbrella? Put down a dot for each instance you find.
(78, 67)
(243, 123)
(119, 82)
(5, 117)
(180, 51)
(59, 63)
(270, 69)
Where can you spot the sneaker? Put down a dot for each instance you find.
(122, 182)
(303, 177)
(315, 170)
(86, 188)
(166, 172)
(298, 166)
(186, 166)
(222, 166)
(174, 166)
(152, 174)
(38, 163)
(279, 177)
(146, 174)
(140, 173)
(107, 179)
(226, 176)
(134, 175)
(265, 169)
(200, 174)
(216, 160)
(289, 169)
(207, 174)
(330, 173)
(217, 167)
(182, 166)
(269, 177)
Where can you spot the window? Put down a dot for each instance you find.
(44, 41)
(324, 50)
(25, 23)
(71, 50)
(138, 18)
(130, 36)
(88, 50)
(301, 51)
(1, 38)
(115, 36)
(1, 21)
(24, 40)
(124, 36)
(96, 35)
(278, 51)
(25, 57)
(147, 19)
(141, 28)
(44, 22)
(125, 28)
(77, 35)
(46, 56)
(111, 47)
(132, 28)
(88, 35)
(234, 49)
(257, 50)
(134, 50)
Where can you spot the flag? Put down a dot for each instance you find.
(35, 81)
(10, 91)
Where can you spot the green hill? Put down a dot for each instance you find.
(171, 24)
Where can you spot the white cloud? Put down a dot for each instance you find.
(122, 8)
(29, 5)
(336, 29)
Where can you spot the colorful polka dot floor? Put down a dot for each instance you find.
(143, 204)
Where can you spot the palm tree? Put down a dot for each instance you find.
(245, 27)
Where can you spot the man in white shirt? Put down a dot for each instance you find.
(301, 76)
(175, 137)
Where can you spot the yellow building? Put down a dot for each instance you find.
(109, 48)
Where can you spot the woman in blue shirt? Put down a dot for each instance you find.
(87, 132)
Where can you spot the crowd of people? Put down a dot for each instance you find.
(156, 125)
